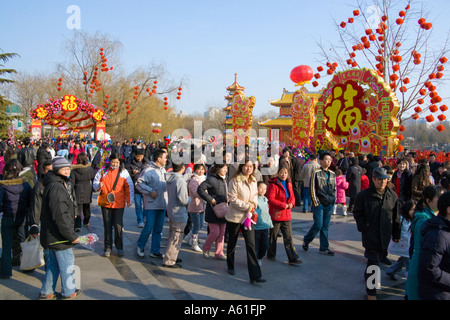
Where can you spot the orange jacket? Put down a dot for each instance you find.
(124, 192)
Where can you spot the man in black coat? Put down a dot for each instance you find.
(353, 177)
(378, 221)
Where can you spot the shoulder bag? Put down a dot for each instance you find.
(110, 196)
(220, 209)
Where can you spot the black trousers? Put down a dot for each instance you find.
(374, 257)
(113, 219)
(286, 231)
(84, 209)
(232, 229)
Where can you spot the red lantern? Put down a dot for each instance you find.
(356, 13)
(399, 21)
(301, 74)
(442, 117)
(443, 60)
(440, 128)
(401, 128)
(430, 118)
(400, 137)
(433, 108)
(418, 109)
(443, 108)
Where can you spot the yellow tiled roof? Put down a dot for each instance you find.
(280, 121)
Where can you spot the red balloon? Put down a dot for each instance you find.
(301, 74)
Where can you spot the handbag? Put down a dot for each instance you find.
(220, 209)
(110, 196)
(32, 255)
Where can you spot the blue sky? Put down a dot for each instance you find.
(205, 42)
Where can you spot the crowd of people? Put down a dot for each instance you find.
(47, 189)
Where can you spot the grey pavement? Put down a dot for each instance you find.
(319, 277)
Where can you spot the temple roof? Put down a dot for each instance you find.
(280, 121)
(235, 86)
(286, 98)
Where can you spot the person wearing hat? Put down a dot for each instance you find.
(58, 236)
(377, 219)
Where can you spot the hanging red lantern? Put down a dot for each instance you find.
(443, 60)
(165, 108)
(178, 98)
(343, 24)
(356, 13)
(399, 21)
(440, 128)
(442, 117)
(400, 137)
(315, 83)
(401, 128)
(320, 68)
(415, 116)
(429, 118)
(433, 108)
(401, 148)
(418, 109)
(301, 74)
(443, 108)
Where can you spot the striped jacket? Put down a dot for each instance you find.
(323, 187)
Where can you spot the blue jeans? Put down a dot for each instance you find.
(306, 193)
(322, 216)
(138, 201)
(13, 233)
(58, 263)
(63, 153)
(197, 221)
(154, 223)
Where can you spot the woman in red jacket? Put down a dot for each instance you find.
(280, 195)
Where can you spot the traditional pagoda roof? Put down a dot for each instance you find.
(235, 86)
(280, 121)
(286, 98)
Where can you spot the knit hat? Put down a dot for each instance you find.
(60, 162)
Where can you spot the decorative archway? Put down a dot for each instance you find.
(68, 114)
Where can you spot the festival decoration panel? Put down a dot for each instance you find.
(357, 112)
(302, 112)
(242, 113)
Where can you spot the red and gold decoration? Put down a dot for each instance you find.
(242, 113)
(68, 114)
(302, 111)
(357, 112)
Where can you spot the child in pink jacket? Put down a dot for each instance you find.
(341, 186)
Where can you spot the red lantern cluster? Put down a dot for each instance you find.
(156, 130)
(59, 84)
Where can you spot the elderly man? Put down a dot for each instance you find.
(377, 219)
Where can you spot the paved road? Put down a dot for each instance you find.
(319, 277)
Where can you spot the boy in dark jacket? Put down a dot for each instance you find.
(57, 230)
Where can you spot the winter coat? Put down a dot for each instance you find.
(82, 177)
(377, 218)
(241, 192)
(412, 285)
(75, 152)
(405, 184)
(197, 204)
(276, 195)
(401, 248)
(135, 165)
(364, 182)
(323, 187)
(341, 186)
(434, 260)
(15, 199)
(27, 156)
(353, 177)
(264, 220)
(41, 156)
(153, 178)
(178, 198)
(307, 170)
(58, 212)
(124, 192)
(214, 187)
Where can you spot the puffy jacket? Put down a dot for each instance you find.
(214, 187)
(58, 212)
(82, 177)
(135, 165)
(341, 186)
(124, 192)
(276, 195)
(27, 156)
(177, 197)
(434, 260)
(323, 187)
(197, 204)
(153, 178)
(15, 199)
(241, 192)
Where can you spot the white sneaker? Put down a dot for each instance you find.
(194, 244)
(140, 225)
(140, 252)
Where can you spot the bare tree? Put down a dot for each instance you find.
(398, 43)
